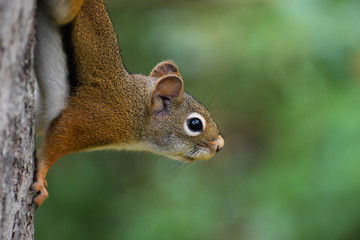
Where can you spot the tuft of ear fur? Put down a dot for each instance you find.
(165, 68)
(170, 87)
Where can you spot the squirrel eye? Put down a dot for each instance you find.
(194, 124)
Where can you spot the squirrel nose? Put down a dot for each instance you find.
(218, 143)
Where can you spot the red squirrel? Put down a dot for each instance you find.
(87, 100)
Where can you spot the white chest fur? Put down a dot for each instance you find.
(52, 88)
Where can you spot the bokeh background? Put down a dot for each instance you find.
(282, 79)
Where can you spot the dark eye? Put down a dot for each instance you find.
(195, 124)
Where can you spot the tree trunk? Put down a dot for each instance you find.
(17, 140)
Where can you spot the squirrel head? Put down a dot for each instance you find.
(177, 125)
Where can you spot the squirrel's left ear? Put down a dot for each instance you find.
(165, 68)
(170, 87)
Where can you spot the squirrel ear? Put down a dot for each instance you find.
(170, 87)
(165, 68)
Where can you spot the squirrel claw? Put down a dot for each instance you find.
(32, 191)
(39, 188)
(35, 206)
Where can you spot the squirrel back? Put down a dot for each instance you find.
(102, 105)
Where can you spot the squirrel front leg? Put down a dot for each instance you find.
(43, 164)
(82, 125)
(64, 135)
(47, 155)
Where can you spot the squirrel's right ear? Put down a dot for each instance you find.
(165, 68)
(170, 87)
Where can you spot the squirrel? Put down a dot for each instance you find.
(86, 99)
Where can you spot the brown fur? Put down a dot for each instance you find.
(90, 120)
(90, 111)
(110, 107)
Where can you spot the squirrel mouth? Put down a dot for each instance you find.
(198, 152)
(204, 151)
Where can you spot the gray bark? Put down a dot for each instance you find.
(17, 140)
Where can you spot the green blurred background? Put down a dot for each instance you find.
(283, 82)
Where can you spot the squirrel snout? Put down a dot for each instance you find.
(218, 143)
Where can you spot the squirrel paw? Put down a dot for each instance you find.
(39, 188)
